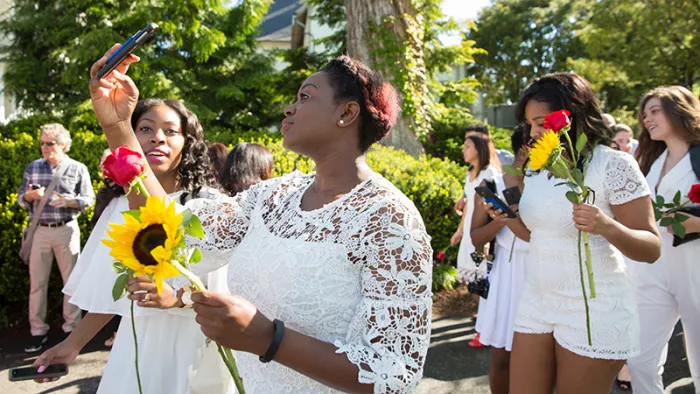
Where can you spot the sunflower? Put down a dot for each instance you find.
(544, 151)
(145, 243)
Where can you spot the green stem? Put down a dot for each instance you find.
(589, 265)
(194, 280)
(235, 374)
(583, 289)
(141, 188)
(225, 353)
(136, 348)
(571, 147)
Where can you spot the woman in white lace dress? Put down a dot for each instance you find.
(341, 257)
(669, 118)
(550, 345)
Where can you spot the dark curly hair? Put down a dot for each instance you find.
(379, 103)
(246, 165)
(573, 93)
(195, 169)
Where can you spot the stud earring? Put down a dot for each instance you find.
(342, 121)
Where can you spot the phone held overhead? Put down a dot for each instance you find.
(127, 48)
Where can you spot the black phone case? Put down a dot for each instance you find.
(52, 371)
(512, 195)
(127, 48)
(487, 194)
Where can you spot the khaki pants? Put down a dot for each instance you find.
(63, 243)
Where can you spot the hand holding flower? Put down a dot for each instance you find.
(690, 225)
(145, 292)
(232, 322)
(591, 219)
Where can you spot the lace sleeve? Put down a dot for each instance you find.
(624, 180)
(225, 221)
(389, 337)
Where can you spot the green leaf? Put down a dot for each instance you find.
(572, 196)
(118, 268)
(681, 218)
(186, 216)
(669, 205)
(119, 289)
(581, 142)
(578, 175)
(678, 229)
(196, 256)
(667, 221)
(677, 198)
(512, 171)
(660, 200)
(657, 215)
(135, 213)
(194, 227)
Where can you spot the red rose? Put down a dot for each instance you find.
(557, 120)
(694, 193)
(440, 255)
(123, 166)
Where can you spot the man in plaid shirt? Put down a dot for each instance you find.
(58, 234)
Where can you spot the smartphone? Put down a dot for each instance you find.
(491, 197)
(127, 48)
(30, 373)
(34, 186)
(512, 195)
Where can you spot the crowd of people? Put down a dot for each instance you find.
(329, 274)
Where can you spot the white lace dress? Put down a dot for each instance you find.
(355, 273)
(552, 299)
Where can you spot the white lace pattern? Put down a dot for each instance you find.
(355, 273)
(552, 300)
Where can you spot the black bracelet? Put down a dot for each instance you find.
(277, 336)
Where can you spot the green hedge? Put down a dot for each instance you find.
(433, 184)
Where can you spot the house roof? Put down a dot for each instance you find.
(277, 24)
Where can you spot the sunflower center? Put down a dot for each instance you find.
(148, 239)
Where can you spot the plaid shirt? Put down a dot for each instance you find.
(75, 183)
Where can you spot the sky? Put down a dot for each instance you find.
(461, 10)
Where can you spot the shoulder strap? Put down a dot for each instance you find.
(42, 203)
(695, 159)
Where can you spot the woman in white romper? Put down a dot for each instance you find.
(550, 345)
(669, 118)
(339, 259)
(173, 354)
(497, 314)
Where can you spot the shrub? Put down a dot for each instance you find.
(433, 184)
(447, 138)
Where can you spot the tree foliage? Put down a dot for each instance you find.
(523, 39)
(204, 53)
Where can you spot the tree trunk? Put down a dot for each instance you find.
(387, 36)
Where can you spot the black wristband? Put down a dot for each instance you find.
(277, 336)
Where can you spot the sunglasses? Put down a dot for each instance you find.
(49, 143)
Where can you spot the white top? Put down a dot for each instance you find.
(355, 273)
(553, 294)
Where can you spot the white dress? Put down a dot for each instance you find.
(552, 299)
(465, 265)
(497, 313)
(173, 356)
(355, 273)
(667, 290)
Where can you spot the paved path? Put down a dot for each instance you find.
(451, 366)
